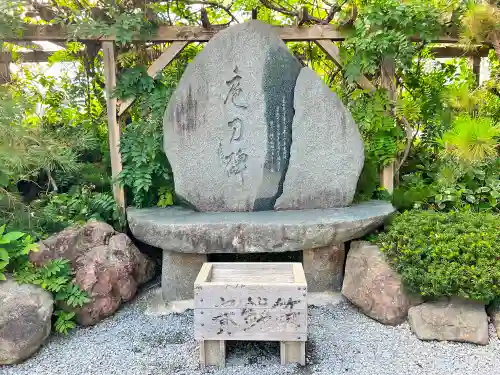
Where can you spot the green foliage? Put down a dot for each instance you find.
(11, 22)
(14, 247)
(125, 26)
(371, 113)
(56, 277)
(446, 254)
(472, 139)
(451, 186)
(480, 22)
(382, 30)
(53, 134)
(424, 102)
(65, 321)
(145, 169)
(146, 173)
(77, 207)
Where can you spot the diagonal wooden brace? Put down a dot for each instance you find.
(158, 65)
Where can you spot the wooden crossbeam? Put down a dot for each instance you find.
(332, 51)
(438, 52)
(453, 51)
(159, 64)
(197, 34)
(28, 57)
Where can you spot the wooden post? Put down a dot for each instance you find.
(475, 61)
(5, 58)
(388, 81)
(113, 126)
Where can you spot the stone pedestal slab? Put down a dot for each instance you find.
(186, 236)
(186, 231)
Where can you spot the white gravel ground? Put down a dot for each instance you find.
(341, 341)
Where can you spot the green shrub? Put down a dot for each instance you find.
(446, 254)
(77, 207)
(14, 247)
(55, 276)
(451, 187)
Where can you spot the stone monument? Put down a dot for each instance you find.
(263, 142)
(228, 126)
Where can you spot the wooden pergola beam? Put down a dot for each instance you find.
(196, 34)
(28, 57)
(438, 52)
(332, 51)
(453, 51)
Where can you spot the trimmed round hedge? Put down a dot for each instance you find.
(446, 254)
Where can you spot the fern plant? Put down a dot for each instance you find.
(56, 277)
(146, 173)
(78, 206)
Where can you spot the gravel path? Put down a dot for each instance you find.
(341, 341)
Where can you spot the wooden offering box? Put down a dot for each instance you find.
(250, 302)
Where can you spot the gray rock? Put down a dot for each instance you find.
(372, 285)
(25, 320)
(227, 128)
(182, 230)
(450, 319)
(326, 155)
(324, 268)
(179, 271)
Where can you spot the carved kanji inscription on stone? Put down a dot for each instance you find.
(232, 156)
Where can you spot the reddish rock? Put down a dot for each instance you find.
(107, 265)
(372, 285)
(73, 242)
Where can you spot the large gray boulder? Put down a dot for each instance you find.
(327, 153)
(107, 265)
(25, 320)
(227, 128)
(450, 319)
(372, 285)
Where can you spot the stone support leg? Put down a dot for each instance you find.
(179, 271)
(324, 268)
